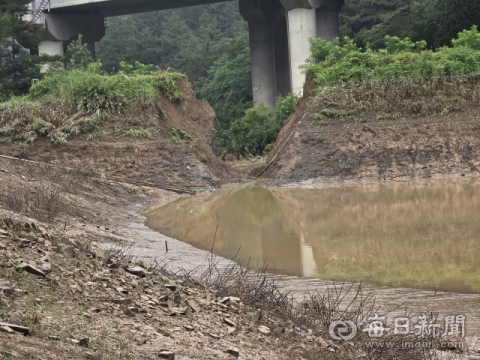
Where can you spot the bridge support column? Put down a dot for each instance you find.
(302, 25)
(282, 61)
(327, 24)
(50, 48)
(64, 28)
(263, 63)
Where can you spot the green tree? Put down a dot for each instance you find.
(208, 43)
(17, 66)
(77, 56)
(228, 84)
(439, 21)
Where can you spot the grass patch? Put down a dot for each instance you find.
(402, 80)
(71, 103)
(370, 101)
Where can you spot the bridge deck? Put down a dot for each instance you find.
(121, 7)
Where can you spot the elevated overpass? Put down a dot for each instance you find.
(279, 32)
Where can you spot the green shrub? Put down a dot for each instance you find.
(256, 132)
(342, 61)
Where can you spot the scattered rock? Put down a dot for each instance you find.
(94, 356)
(189, 328)
(122, 301)
(7, 290)
(163, 332)
(171, 287)
(55, 338)
(21, 329)
(167, 355)
(229, 322)
(2, 247)
(193, 304)
(233, 351)
(232, 331)
(262, 329)
(7, 330)
(140, 339)
(84, 342)
(137, 270)
(128, 311)
(30, 269)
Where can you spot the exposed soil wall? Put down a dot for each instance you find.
(405, 148)
(161, 160)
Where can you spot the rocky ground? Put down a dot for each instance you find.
(62, 298)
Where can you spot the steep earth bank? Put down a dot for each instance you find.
(362, 149)
(183, 154)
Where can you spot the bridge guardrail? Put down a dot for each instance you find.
(37, 8)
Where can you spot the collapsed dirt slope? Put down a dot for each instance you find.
(182, 155)
(370, 150)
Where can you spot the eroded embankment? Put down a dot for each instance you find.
(368, 132)
(170, 143)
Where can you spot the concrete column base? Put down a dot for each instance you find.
(302, 25)
(50, 48)
(263, 63)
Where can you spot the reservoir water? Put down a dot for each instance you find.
(406, 239)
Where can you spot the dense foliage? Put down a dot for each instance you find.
(341, 60)
(208, 43)
(83, 99)
(17, 66)
(436, 21)
(256, 132)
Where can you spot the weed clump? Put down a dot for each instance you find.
(87, 101)
(401, 80)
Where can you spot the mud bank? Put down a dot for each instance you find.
(342, 150)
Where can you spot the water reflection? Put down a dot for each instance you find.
(423, 234)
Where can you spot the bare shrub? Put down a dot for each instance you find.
(316, 311)
(46, 195)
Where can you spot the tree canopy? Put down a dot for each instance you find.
(17, 66)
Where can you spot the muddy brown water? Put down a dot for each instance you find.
(416, 243)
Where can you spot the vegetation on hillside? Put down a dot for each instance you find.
(367, 22)
(17, 66)
(207, 43)
(256, 132)
(84, 100)
(403, 79)
(342, 60)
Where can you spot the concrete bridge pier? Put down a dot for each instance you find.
(308, 19)
(302, 25)
(279, 42)
(61, 29)
(262, 55)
